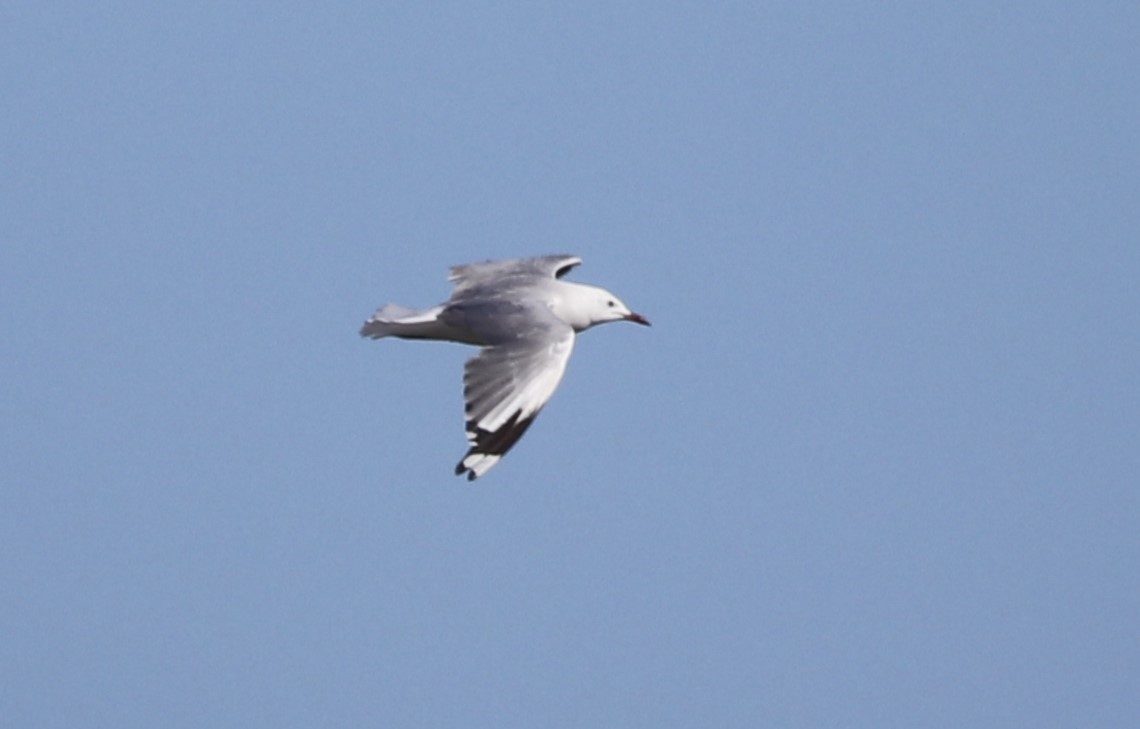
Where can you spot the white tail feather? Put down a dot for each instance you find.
(394, 320)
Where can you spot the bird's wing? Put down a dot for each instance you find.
(507, 384)
(474, 275)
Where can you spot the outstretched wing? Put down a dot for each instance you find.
(505, 387)
(474, 275)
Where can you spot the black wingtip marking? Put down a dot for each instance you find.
(460, 469)
(563, 270)
(495, 443)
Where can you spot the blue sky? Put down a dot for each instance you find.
(875, 464)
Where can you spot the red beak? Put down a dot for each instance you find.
(638, 318)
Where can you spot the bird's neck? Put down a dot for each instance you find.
(573, 304)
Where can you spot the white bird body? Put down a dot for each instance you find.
(525, 320)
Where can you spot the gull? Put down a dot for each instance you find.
(524, 317)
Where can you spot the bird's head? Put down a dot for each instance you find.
(584, 306)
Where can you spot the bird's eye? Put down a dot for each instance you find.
(610, 304)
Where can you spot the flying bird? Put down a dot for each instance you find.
(524, 317)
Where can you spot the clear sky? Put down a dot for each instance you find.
(877, 463)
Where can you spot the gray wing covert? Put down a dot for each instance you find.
(474, 275)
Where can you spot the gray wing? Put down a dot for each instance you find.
(475, 275)
(507, 384)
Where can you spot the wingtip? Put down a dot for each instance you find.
(475, 464)
(462, 470)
